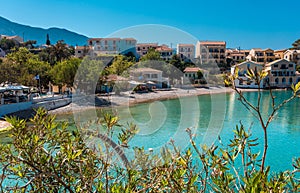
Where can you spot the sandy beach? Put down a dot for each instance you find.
(128, 98)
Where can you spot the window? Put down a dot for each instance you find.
(291, 81)
(291, 65)
(283, 66)
(276, 80)
(154, 76)
(275, 65)
(283, 80)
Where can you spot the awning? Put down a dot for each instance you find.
(150, 82)
(2, 89)
(136, 82)
(14, 87)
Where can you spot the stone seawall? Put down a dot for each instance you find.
(53, 104)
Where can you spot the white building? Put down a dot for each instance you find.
(147, 74)
(293, 56)
(282, 73)
(243, 81)
(186, 51)
(112, 45)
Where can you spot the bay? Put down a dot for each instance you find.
(210, 116)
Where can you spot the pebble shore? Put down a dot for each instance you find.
(129, 98)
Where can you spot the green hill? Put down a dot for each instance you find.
(39, 34)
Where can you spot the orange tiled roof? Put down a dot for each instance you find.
(163, 48)
(192, 69)
(213, 42)
(130, 39)
(147, 44)
(257, 49)
(186, 45)
(81, 47)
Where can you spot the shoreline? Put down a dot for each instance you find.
(128, 99)
(84, 103)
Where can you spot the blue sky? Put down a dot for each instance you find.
(247, 24)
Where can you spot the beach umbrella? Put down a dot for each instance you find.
(136, 82)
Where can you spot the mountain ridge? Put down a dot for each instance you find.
(39, 34)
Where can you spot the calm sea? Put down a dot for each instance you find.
(210, 116)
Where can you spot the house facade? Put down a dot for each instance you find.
(282, 73)
(165, 52)
(142, 48)
(211, 52)
(191, 75)
(186, 51)
(112, 45)
(293, 56)
(279, 54)
(237, 55)
(243, 81)
(147, 75)
(261, 56)
(81, 51)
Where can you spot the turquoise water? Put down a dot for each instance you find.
(212, 115)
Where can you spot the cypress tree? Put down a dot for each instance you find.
(48, 40)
